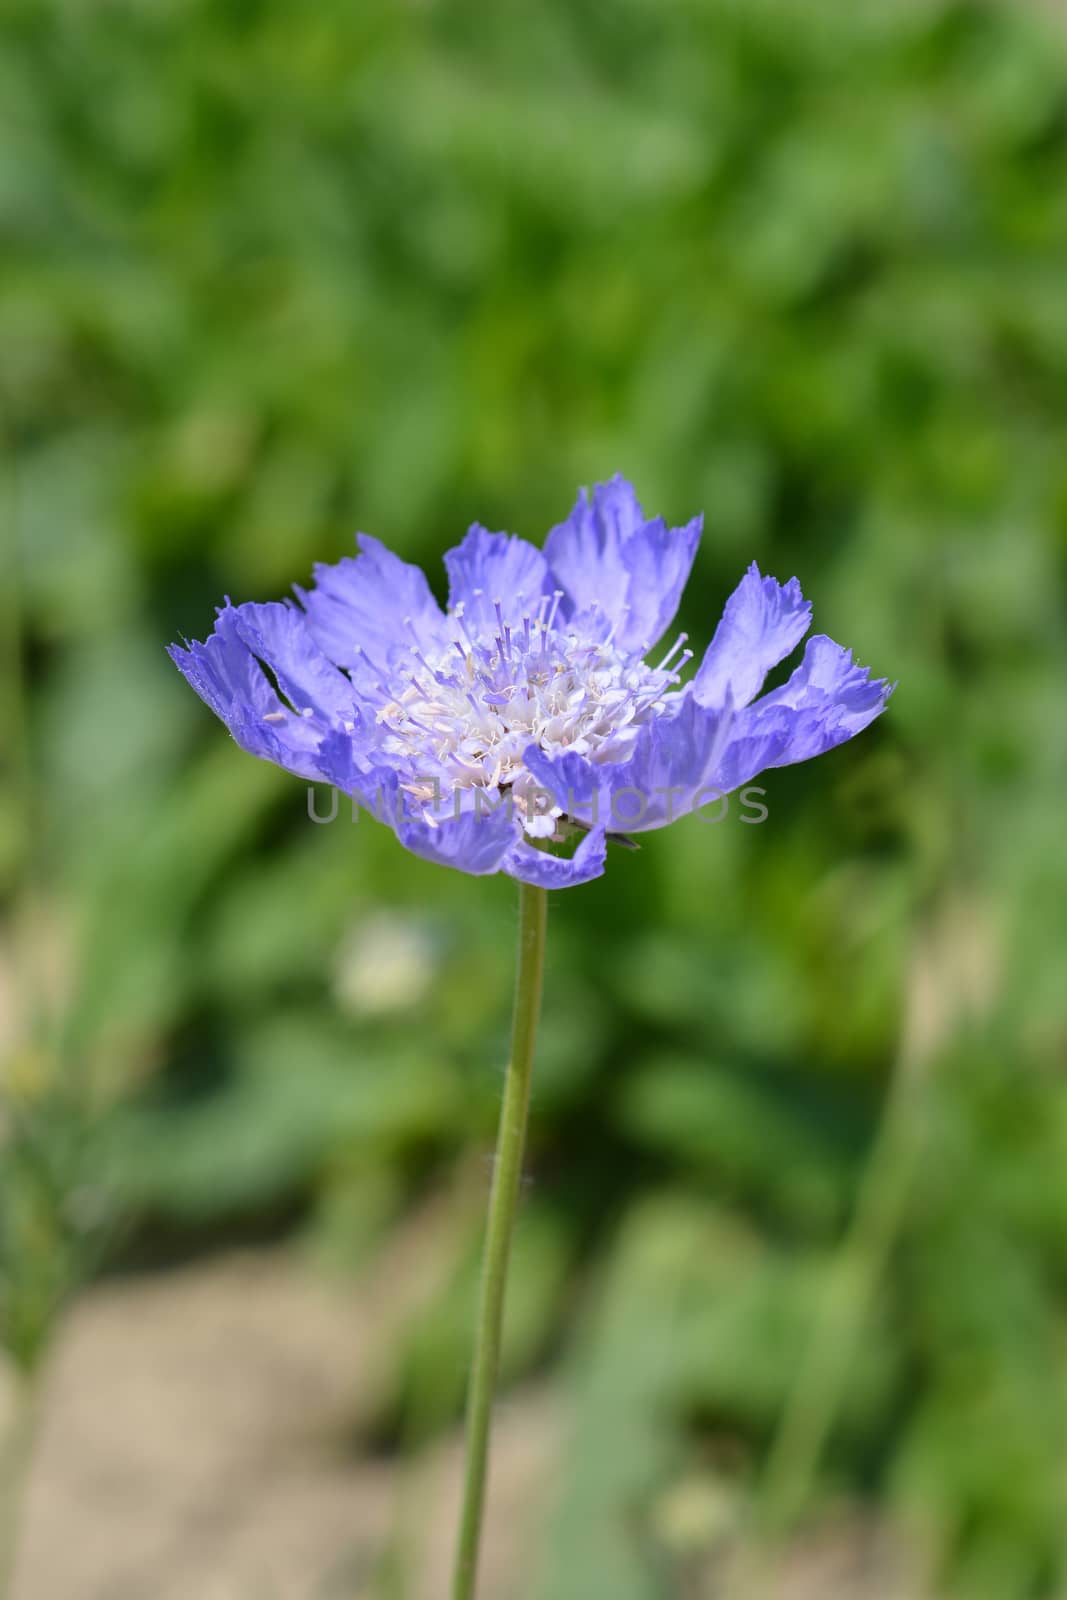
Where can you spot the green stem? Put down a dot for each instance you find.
(503, 1200)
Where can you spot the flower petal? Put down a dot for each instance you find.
(463, 829)
(530, 865)
(763, 621)
(827, 700)
(228, 677)
(660, 560)
(359, 773)
(752, 747)
(367, 606)
(609, 558)
(488, 567)
(476, 841)
(279, 635)
(674, 758)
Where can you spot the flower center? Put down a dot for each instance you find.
(466, 717)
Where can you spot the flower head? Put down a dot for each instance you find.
(527, 712)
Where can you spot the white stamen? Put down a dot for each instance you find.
(474, 718)
(675, 647)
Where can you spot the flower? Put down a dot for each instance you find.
(492, 734)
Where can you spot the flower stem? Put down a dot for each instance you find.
(503, 1200)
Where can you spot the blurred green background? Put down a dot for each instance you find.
(796, 1236)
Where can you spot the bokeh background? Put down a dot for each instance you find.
(790, 1292)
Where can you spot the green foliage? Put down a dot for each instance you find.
(274, 272)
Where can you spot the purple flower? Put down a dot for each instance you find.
(525, 716)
